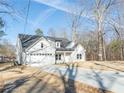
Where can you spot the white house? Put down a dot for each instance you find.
(37, 50)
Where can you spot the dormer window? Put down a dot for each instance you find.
(57, 44)
(41, 45)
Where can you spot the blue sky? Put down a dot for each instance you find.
(44, 14)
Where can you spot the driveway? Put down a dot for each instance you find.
(110, 80)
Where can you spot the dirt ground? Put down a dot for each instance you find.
(25, 79)
(105, 65)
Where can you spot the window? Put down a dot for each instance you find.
(79, 56)
(41, 45)
(58, 44)
(58, 56)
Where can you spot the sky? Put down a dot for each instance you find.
(43, 14)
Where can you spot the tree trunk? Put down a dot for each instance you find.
(104, 50)
(100, 51)
(121, 48)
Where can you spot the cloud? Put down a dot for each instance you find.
(54, 5)
(63, 5)
(57, 4)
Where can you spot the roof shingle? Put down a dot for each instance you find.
(28, 40)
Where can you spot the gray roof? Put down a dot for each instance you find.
(28, 40)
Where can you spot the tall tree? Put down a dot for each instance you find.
(7, 49)
(120, 36)
(39, 32)
(89, 42)
(101, 9)
(75, 21)
(52, 32)
(62, 32)
(5, 7)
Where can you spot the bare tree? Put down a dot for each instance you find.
(64, 35)
(7, 48)
(101, 9)
(6, 8)
(119, 32)
(75, 21)
(62, 32)
(89, 42)
(52, 32)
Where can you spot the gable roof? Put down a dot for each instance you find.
(64, 42)
(28, 40)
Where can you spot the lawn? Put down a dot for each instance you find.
(24, 79)
(105, 65)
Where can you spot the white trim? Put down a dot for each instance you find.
(33, 44)
(36, 43)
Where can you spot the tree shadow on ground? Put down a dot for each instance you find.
(97, 76)
(110, 67)
(68, 78)
(7, 66)
(33, 84)
(41, 86)
(8, 88)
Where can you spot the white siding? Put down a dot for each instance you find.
(36, 55)
(78, 50)
(73, 56)
(41, 56)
